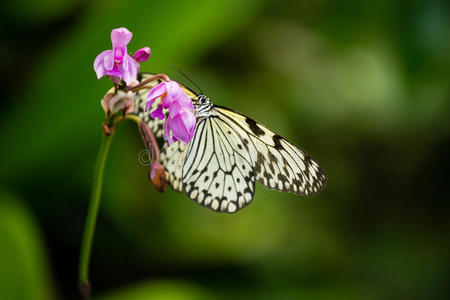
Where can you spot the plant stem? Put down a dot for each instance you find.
(89, 227)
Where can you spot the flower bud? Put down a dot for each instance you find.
(142, 54)
(158, 176)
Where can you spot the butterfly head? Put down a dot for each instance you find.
(202, 106)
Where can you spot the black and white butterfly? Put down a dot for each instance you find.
(228, 154)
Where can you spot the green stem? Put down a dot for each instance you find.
(89, 227)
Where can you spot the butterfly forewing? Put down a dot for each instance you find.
(278, 164)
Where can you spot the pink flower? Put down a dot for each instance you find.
(181, 120)
(182, 126)
(116, 63)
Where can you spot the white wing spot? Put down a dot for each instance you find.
(215, 204)
(231, 207)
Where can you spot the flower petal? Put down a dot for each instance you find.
(182, 125)
(99, 64)
(121, 36)
(156, 92)
(167, 132)
(130, 73)
(180, 131)
(119, 53)
(185, 101)
(174, 109)
(158, 113)
(173, 91)
(109, 62)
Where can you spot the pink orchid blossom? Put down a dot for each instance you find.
(180, 122)
(116, 63)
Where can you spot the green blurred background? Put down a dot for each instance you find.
(361, 85)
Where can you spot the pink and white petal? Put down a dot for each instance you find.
(167, 101)
(179, 128)
(121, 36)
(130, 72)
(99, 65)
(125, 63)
(156, 92)
(173, 90)
(174, 109)
(188, 123)
(100, 71)
(116, 71)
(185, 101)
(109, 62)
(167, 132)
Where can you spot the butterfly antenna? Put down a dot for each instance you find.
(190, 80)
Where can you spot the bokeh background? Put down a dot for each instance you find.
(361, 85)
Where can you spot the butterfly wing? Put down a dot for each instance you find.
(228, 154)
(218, 170)
(172, 158)
(278, 164)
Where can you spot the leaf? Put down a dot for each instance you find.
(24, 270)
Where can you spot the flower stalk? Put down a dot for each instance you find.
(89, 227)
(158, 179)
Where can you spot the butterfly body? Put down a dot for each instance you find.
(228, 154)
(203, 106)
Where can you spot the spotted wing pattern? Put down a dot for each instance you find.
(172, 158)
(278, 164)
(230, 151)
(218, 171)
(228, 154)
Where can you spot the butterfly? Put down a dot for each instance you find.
(229, 152)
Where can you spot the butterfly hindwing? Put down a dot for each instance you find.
(172, 158)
